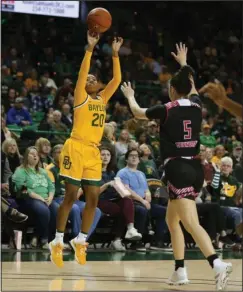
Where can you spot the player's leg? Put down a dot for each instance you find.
(79, 243)
(71, 167)
(179, 275)
(187, 212)
(91, 178)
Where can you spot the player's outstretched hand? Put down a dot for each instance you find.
(181, 54)
(93, 38)
(117, 43)
(214, 91)
(127, 90)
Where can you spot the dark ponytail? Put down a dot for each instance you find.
(181, 82)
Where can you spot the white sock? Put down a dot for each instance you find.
(217, 264)
(59, 237)
(81, 238)
(130, 226)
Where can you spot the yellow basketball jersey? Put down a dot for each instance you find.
(89, 120)
(89, 113)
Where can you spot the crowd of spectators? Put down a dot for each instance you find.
(40, 60)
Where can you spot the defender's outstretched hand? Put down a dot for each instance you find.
(127, 90)
(181, 54)
(117, 43)
(93, 38)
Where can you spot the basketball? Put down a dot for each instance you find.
(99, 20)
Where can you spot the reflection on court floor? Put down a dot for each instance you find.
(108, 271)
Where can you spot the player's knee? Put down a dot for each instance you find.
(92, 197)
(70, 198)
(173, 226)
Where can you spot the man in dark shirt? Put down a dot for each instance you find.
(180, 126)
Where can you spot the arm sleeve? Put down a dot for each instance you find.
(112, 86)
(11, 118)
(157, 112)
(216, 180)
(19, 178)
(196, 99)
(124, 178)
(80, 93)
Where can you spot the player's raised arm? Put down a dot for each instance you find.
(80, 93)
(112, 86)
(217, 93)
(138, 112)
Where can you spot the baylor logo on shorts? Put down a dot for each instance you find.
(66, 162)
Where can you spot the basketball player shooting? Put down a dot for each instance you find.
(180, 126)
(80, 158)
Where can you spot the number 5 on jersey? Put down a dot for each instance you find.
(187, 129)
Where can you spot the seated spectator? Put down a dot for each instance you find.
(213, 218)
(122, 143)
(17, 115)
(219, 153)
(146, 164)
(225, 187)
(67, 116)
(50, 82)
(153, 137)
(6, 173)
(11, 213)
(43, 147)
(136, 182)
(78, 206)
(32, 80)
(237, 153)
(58, 126)
(11, 150)
(207, 165)
(206, 138)
(41, 101)
(5, 133)
(133, 145)
(110, 202)
(35, 197)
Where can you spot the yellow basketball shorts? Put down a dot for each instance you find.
(80, 163)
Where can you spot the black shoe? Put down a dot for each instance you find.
(16, 216)
(138, 246)
(226, 241)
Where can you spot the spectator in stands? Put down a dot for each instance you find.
(207, 165)
(237, 153)
(35, 192)
(108, 134)
(110, 202)
(41, 101)
(225, 188)
(43, 147)
(206, 138)
(5, 133)
(78, 206)
(11, 150)
(219, 152)
(6, 173)
(17, 115)
(50, 82)
(141, 136)
(136, 182)
(153, 137)
(11, 213)
(122, 144)
(146, 164)
(67, 116)
(32, 81)
(58, 126)
(133, 145)
(10, 100)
